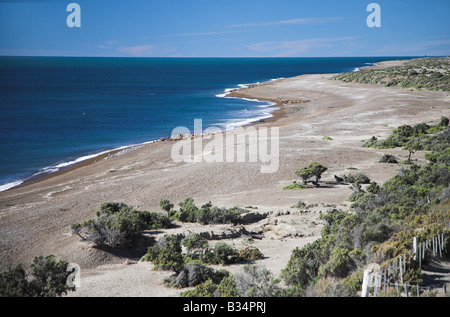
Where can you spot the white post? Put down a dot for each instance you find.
(434, 248)
(395, 268)
(366, 283)
(415, 248)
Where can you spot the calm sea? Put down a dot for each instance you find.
(55, 111)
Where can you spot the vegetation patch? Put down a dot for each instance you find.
(47, 278)
(431, 73)
(118, 225)
(380, 228)
(206, 214)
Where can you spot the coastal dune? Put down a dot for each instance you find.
(35, 218)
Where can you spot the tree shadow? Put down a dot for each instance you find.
(135, 251)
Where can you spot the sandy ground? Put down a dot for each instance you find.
(35, 219)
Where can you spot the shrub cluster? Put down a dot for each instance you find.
(359, 177)
(190, 269)
(206, 214)
(414, 137)
(48, 278)
(386, 217)
(388, 158)
(117, 225)
(432, 73)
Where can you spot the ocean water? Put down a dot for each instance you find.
(56, 111)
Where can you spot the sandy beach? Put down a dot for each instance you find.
(35, 219)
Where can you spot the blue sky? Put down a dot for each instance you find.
(244, 28)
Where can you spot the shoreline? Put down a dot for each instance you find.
(36, 219)
(238, 92)
(93, 158)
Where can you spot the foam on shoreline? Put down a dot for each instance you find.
(50, 170)
(259, 117)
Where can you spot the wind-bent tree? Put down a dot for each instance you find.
(312, 170)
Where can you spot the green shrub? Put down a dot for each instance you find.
(194, 241)
(117, 225)
(388, 158)
(256, 281)
(210, 288)
(193, 274)
(222, 253)
(297, 186)
(166, 258)
(360, 177)
(48, 278)
(207, 214)
(166, 205)
(250, 254)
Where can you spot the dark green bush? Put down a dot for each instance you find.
(207, 214)
(194, 241)
(222, 253)
(388, 158)
(48, 278)
(312, 170)
(166, 254)
(117, 225)
(226, 288)
(193, 274)
(359, 177)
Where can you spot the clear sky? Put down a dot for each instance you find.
(232, 28)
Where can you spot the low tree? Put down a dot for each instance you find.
(166, 205)
(414, 144)
(317, 171)
(312, 170)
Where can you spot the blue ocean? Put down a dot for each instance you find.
(55, 111)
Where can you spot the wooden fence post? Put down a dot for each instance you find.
(420, 255)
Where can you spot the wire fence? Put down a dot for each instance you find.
(389, 279)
